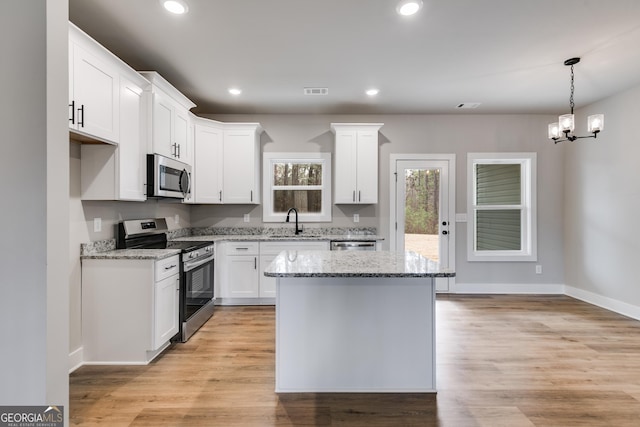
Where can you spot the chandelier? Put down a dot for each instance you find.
(566, 123)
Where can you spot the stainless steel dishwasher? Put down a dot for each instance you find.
(352, 245)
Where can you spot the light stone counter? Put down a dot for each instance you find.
(354, 264)
(155, 254)
(283, 237)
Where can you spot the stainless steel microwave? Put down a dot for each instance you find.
(167, 177)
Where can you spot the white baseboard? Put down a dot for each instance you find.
(75, 359)
(611, 304)
(508, 288)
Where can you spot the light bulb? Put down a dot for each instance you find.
(566, 122)
(554, 131)
(408, 7)
(595, 123)
(175, 6)
(235, 91)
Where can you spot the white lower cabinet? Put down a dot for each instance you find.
(129, 309)
(238, 262)
(242, 266)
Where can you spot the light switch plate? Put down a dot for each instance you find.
(356, 217)
(247, 218)
(176, 219)
(97, 225)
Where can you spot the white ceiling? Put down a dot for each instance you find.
(506, 54)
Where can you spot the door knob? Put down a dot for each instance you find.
(445, 232)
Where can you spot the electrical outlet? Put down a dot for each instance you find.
(176, 219)
(356, 217)
(538, 269)
(97, 225)
(247, 218)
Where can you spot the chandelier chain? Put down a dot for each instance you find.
(571, 103)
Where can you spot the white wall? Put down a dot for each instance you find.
(457, 134)
(602, 188)
(33, 117)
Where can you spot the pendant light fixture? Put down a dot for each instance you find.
(566, 123)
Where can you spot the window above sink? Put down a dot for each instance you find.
(297, 180)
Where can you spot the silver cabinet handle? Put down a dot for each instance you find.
(169, 267)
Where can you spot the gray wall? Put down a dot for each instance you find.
(458, 134)
(602, 188)
(33, 117)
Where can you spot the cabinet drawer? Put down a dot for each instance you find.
(167, 267)
(242, 248)
(274, 248)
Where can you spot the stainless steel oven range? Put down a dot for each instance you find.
(197, 261)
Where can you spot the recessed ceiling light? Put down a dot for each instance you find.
(178, 7)
(408, 7)
(235, 91)
(372, 92)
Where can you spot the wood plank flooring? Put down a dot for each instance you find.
(502, 361)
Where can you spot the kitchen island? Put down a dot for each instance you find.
(349, 321)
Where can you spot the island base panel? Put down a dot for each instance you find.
(355, 335)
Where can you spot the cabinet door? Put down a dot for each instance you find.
(208, 164)
(345, 161)
(95, 96)
(181, 135)
(267, 284)
(367, 167)
(166, 315)
(242, 276)
(239, 167)
(163, 125)
(131, 149)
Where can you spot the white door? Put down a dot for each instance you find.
(422, 218)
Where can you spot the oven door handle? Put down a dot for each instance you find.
(188, 266)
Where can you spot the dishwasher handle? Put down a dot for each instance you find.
(353, 246)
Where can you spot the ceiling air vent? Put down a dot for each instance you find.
(468, 105)
(316, 91)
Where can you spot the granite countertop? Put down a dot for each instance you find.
(354, 264)
(282, 237)
(106, 249)
(155, 254)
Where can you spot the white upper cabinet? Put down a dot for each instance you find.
(227, 162)
(169, 119)
(356, 163)
(93, 89)
(241, 172)
(117, 172)
(208, 161)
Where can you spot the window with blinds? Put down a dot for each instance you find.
(502, 190)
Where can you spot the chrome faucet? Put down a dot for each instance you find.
(298, 231)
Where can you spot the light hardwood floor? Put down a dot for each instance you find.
(502, 361)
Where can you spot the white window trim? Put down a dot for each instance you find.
(529, 251)
(268, 159)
